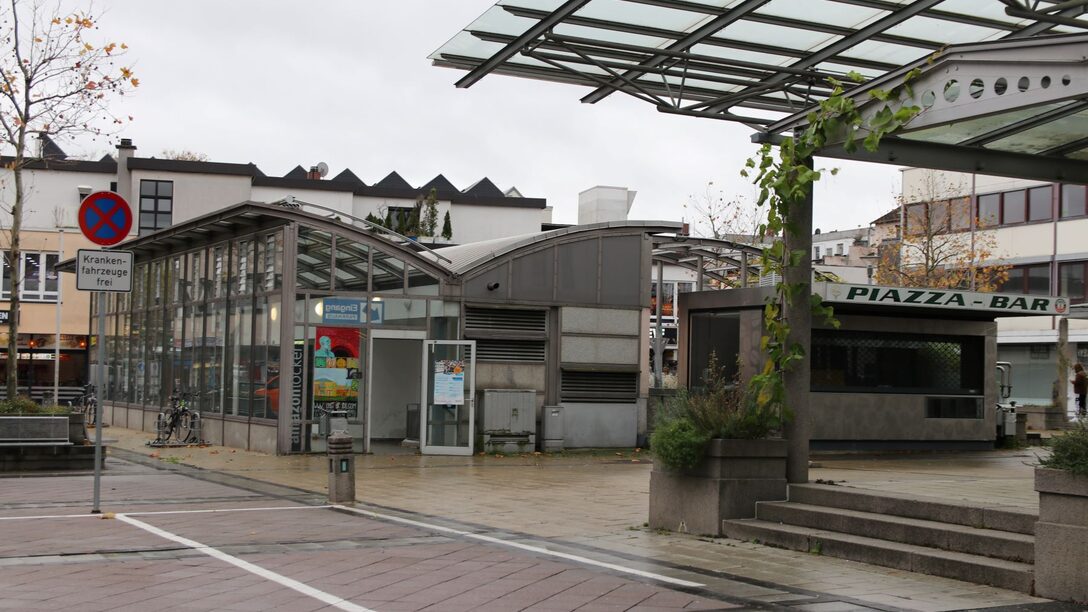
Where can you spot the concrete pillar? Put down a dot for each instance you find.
(798, 312)
(341, 469)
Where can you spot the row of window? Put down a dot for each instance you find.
(38, 271)
(1035, 279)
(839, 249)
(998, 209)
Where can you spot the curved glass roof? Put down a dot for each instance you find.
(765, 62)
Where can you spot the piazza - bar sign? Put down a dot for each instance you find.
(948, 299)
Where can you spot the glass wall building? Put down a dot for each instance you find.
(272, 317)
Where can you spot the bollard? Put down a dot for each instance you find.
(341, 469)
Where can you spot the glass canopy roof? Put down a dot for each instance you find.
(764, 62)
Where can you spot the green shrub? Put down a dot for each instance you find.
(25, 405)
(720, 409)
(678, 444)
(1069, 451)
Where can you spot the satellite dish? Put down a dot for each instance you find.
(322, 169)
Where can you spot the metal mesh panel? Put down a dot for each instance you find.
(496, 319)
(599, 387)
(493, 349)
(896, 362)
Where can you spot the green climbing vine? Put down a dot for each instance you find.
(785, 177)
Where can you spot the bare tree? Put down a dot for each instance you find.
(184, 155)
(940, 245)
(57, 82)
(715, 216)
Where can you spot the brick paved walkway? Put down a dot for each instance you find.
(589, 506)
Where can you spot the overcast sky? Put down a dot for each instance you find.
(282, 83)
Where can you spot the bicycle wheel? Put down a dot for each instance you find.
(184, 427)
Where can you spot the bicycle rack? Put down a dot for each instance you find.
(164, 439)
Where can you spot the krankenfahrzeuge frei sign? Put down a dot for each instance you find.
(945, 299)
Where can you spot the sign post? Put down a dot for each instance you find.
(105, 219)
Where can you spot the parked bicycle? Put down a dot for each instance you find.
(87, 403)
(178, 424)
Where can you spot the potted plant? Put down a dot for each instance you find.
(1061, 534)
(716, 453)
(13, 411)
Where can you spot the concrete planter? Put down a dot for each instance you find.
(1061, 536)
(77, 428)
(734, 475)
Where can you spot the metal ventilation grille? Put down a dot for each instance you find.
(503, 319)
(599, 387)
(491, 349)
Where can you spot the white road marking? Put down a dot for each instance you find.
(520, 546)
(305, 589)
(49, 516)
(149, 512)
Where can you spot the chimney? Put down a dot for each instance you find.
(314, 174)
(125, 152)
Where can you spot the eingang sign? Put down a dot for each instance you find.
(947, 299)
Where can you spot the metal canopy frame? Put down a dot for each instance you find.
(715, 59)
(708, 257)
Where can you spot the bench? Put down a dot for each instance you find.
(34, 431)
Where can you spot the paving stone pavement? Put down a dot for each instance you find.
(587, 505)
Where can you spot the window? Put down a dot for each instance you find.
(960, 214)
(1032, 280)
(39, 274)
(1014, 210)
(872, 362)
(1039, 204)
(1073, 199)
(156, 205)
(989, 210)
(839, 248)
(1071, 281)
(399, 218)
(815, 252)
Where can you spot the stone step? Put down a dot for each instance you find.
(909, 557)
(1000, 518)
(933, 534)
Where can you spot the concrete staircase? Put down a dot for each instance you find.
(993, 546)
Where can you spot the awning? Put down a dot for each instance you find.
(1004, 88)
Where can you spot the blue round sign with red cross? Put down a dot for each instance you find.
(105, 218)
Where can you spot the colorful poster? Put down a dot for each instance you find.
(449, 382)
(336, 370)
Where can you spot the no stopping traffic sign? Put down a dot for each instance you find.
(105, 218)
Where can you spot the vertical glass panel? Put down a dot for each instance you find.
(938, 216)
(51, 277)
(240, 358)
(124, 362)
(213, 353)
(218, 272)
(1073, 198)
(243, 267)
(153, 354)
(193, 286)
(314, 259)
(1014, 210)
(352, 264)
(177, 280)
(273, 261)
(266, 359)
(421, 283)
(6, 289)
(989, 210)
(399, 313)
(388, 273)
(448, 387)
(1039, 280)
(32, 272)
(1072, 281)
(1039, 204)
(445, 317)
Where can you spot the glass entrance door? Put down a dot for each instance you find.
(449, 397)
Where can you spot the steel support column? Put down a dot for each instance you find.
(797, 311)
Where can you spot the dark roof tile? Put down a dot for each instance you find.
(298, 172)
(393, 181)
(484, 188)
(442, 185)
(347, 176)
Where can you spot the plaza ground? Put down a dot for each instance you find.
(214, 528)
